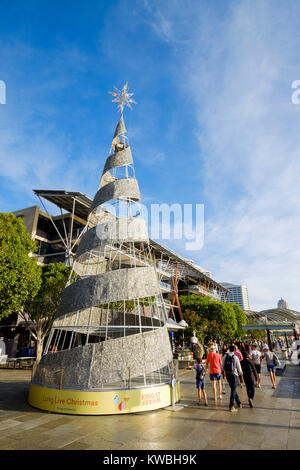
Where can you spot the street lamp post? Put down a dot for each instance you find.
(269, 340)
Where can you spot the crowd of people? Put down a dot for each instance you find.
(240, 365)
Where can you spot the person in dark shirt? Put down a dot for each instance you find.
(200, 381)
(250, 376)
(224, 349)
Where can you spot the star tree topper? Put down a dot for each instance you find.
(122, 97)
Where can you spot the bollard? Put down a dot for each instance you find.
(61, 378)
(173, 390)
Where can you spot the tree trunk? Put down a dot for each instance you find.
(39, 345)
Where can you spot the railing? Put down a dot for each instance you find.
(163, 269)
(50, 258)
(197, 289)
(165, 286)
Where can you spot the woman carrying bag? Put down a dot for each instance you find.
(272, 362)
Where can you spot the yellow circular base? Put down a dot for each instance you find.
(102, 403)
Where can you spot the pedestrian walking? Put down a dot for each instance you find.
(231, 368)
(238, 354)
(200, 381)
(223, 381)
(255, 356)
(270, 359)
(214, 364)
(215, 344)
(250, 376)
(224, 349)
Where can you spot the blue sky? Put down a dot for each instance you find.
(214, 123)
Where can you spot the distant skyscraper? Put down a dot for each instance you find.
(237, 294)
(283, 304)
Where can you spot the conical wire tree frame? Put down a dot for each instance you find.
(109, 331)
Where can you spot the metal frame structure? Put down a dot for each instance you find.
(62, 200)
(279, 320)
(176, 268)
(171, 267)
(112, 304)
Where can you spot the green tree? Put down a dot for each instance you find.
(214, 318)
(241, 319)
(256, 334)
(224, 315)
(20, 276)
(196, 303)
(195, 323)
(40, 310)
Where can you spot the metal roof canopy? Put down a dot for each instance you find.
(270, 327)
(75, 203)
(183, 261)
(277, 314)
(64, 200)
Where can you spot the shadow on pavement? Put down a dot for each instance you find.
(276, 409)
(13, 397)
(287, 388)
(219, 421)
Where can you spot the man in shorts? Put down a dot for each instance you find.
(269, 358)
(214, 364)
(255, 356)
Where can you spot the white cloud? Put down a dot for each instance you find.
(240, 72)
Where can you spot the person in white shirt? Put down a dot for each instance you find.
(269, 358)
(215, 344)
(255, 355)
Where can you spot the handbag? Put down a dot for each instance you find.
(276, 361)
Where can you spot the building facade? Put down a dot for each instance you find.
(238, 294)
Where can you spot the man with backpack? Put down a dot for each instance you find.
(231, 368)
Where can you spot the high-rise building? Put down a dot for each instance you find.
(238, 294)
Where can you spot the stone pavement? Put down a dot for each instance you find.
(274, 423)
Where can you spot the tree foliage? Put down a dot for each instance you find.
(212, 319)
(20, 276)
(241, 319)
(41, 309)
(256, 334)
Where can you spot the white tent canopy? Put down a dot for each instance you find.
(173, 326)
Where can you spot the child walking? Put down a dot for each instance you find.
(200, 381)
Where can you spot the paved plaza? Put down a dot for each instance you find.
(274, 423)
